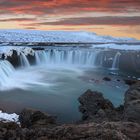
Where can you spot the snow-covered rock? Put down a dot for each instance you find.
(8, 50)
(5, 117)
(29, 36)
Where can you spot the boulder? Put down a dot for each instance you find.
(130, 81)
(95, 107)
(30, 118)
(107, 79)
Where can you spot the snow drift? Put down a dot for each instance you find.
(5, 117)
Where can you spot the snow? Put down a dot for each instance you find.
(34, 36)
(5, 117)
(57, 36)
(119, 47)
(8, 50)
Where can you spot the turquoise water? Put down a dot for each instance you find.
(56, 90)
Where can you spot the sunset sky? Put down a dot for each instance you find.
(106, 17)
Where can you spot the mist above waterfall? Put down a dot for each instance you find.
(22, 78)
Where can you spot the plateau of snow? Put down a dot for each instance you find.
(118, 47)
(57, 36)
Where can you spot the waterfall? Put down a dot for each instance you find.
(6, 69)
(41, 57)
(115, 64)
(24, 61)
(75, 57)
(37, 58)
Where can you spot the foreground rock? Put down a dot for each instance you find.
(34, 118)
(88, 131)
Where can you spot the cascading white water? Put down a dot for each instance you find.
(115, 64)
(67, 57)
(24, 61)
(6, 69)
(41, 57)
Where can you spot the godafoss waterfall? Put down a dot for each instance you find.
(51, 78)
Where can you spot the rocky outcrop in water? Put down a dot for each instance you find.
(132, 104)
(107, 79)
(95, 107)
(130, 82)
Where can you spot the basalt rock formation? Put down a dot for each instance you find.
(14, 58)
(95, 107)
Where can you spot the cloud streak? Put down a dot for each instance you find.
(43, 7)
(108, 20)
(18, 20)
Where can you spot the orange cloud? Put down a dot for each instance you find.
(67, 6)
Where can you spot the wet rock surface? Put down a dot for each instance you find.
(101, 121)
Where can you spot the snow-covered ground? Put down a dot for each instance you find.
(5, 117)
(57, 36)
(118, 47)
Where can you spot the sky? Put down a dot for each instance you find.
(106, 17)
